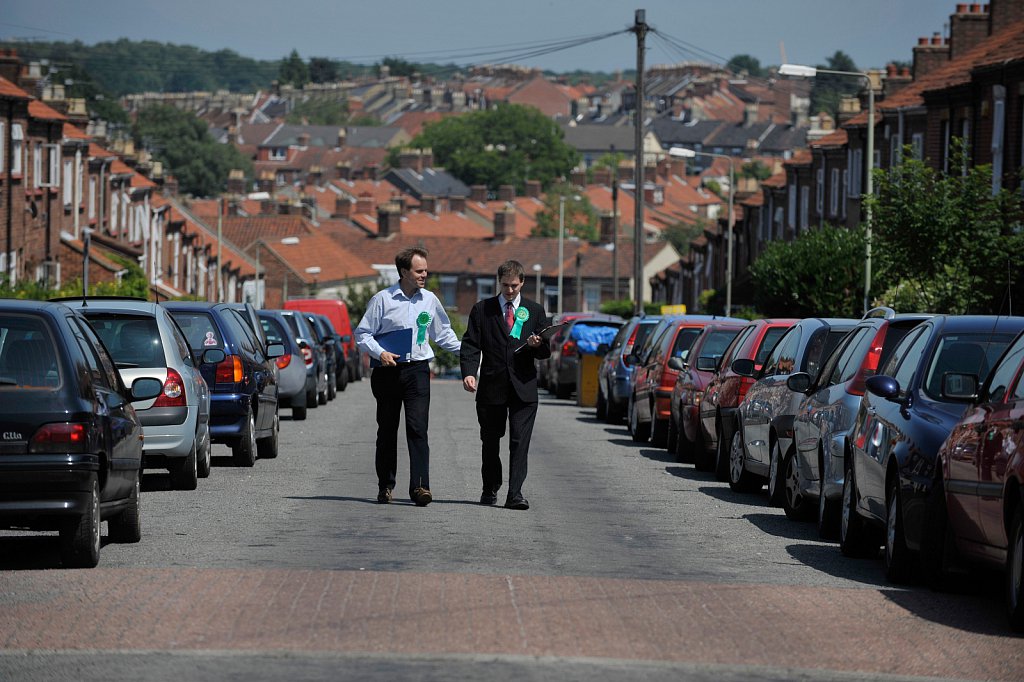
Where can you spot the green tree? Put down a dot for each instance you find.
(293, 70)
(359, 297)
(829, 88)
(319, 112)
(580, 217)
(755, 170)
(944, 243)
(398, 67)
(681, 234)
(821, 272)
(182, 142)
(505, 145)
(322, 70)
(744, 63)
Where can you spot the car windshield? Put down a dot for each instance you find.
(963, 354)
(28, 359)
(272, 330)
(200, 330)
(133, 340)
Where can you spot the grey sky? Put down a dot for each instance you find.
(873, 32)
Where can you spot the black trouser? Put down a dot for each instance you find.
(407, 385)
(492, 418)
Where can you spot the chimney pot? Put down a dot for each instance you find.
(936, 39)
(961, 8)
(478, 193)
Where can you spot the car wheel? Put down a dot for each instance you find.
(794, 502)
(640, 432)
(855, 538)
(298, 412)
(562, 391)
(672, 440)
(828, 511)
(775, 488)
(723, 454)
(185, 472)
(684, 447)
(127, 525)
(938, 552)
(267, 447)
(311, 400)
(659, 432)
(613, 413)
(1015, 572)
(332, 388)
(205, 460)
(741, 480)
(80, 539)
(602, 406)
(342, 380)
(898, 559)
(244, 451)
(321, 397)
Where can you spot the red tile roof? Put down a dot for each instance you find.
(320, 250)
(9, 90)
(43, 112)
(73, 133)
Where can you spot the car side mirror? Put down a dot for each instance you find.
(676, 363)
(707, 363)
(959, 386)
(799, 382)
(884, 387)
(145, 388)
(744, 367)
(275, 350)
(213, 356)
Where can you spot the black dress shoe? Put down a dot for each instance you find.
(517, 502)
(489, 497)
(384, 496)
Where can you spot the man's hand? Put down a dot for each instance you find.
(469, 383)
(533, 340)
(388, 359)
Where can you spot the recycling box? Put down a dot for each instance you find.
(586, 379)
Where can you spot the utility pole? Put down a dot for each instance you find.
(615, 230)
(220, 248)
(640, 29)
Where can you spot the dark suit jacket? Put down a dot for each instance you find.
(502, 370)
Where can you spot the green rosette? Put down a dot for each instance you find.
(422, 322)
(522, 315)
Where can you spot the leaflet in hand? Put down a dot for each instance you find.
(545, 334)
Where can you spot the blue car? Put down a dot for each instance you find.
(244, 386)
(909, 409)
(613, 376)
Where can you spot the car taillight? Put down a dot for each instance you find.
(745, 384)
(628, 349)
(173, 394)
(229, 370)
(857, 385)
(284, 361)
(59, 438)
(569, 347)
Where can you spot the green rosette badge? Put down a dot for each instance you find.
(422, 322)
(522, 315)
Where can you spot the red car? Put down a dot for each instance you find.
(977, 503)
(726, 389)
(697, 370)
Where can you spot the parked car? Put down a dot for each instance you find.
(330, 352)
(314, 357)
(291, 367)
(692, 378)
(564, 361)
(243, 387)
(907, 412)
(766, 414)
(613, 376)
(826, 415)
(726, 390)
(145, 341)
(975, 510)
(554, 343)
(72, 444)
(649, 407)
(336, 345)
(337, 312)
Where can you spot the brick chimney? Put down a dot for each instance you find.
(342, 208)
(533, 189)
(344, 169)
(457, 204)
(478, 193)
(578, 177)
(1004, 12)
(654, 195)
(364, 204)
(968, 27)
(929, 54)
(607, 227)
(342, 136)
(750, 113)
(389, 220)
(303, 139)
(603, 176)
(371, 171)
(678, 167)
(504, 222)
(236, 181)
(626, 171)
(410, 158)
(428, 204)
(506, 193)
(896, 79)
(427, 157)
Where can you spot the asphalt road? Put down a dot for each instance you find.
(627, 566)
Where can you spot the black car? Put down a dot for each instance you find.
(323, 339)
(337, 343)
(244, 386)
(71, 448)
(909, 409)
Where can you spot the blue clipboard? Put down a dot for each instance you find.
(398, 342)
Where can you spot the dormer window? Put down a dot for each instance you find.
(278, 153)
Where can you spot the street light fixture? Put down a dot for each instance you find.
(287, 241)
(537, 267)
(313, 270)
(686, 153)
(801, 71)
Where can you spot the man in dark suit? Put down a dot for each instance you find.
(507, 391)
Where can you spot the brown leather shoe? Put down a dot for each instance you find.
(422, 497)
(384, 496)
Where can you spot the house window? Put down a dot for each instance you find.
(115, 203)
(53, 150)
(791, 217)
(9, 266)
(278, 154)
(485, 287)
(846, 180)
(805, 206)
(17, 140)
(819, 190)
(833, 199)
(917, 145)
(449, 289)
(92, 198)
(856, 167)
(69, 182)
(37, 164)
(591, 297)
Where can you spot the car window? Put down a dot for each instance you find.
(768, 341)
(717, 342)
(620, 338)
(273, 330)
(736, 344)
(894, 333)
(653, 341)
(782, 359)
(907, 362)
(963, 354)
(180, 343)
(243, 330)
(821, 343)
(833, 368)
(1005, 371)
(853, 354)
(293, 322)
(28, 357)
(200, 329)
(108, 374)
(133, 340)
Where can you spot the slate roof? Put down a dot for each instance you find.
(431, 182)
(673, 132)
(599, 137)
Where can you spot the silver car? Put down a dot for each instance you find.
(145, 341)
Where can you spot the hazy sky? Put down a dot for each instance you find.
(873, 32)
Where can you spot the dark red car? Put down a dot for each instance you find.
(977, 503)
(726, 389)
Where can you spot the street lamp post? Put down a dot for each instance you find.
(287, 241)
(313, 270)
(561, 241)
(537, 267)
(687, 153)
(801, 71)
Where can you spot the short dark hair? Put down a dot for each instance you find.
(403, 261)
(511, 267)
